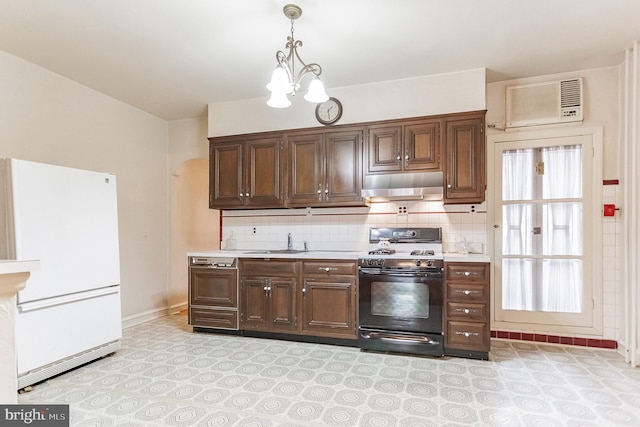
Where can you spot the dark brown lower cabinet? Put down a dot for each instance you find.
(271, 299)
(329, 299)
(268, 295)
(466, 315)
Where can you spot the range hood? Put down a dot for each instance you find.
(403, 186)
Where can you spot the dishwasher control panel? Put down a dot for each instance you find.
(212, 262)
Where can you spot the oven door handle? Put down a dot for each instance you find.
(433, 275)
(399, 338)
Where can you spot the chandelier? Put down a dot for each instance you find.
(284, 79)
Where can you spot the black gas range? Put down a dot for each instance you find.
(401, 283)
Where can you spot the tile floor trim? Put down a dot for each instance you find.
(556, 339)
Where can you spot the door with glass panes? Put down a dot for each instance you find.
(544, 236)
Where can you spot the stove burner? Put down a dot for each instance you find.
(382, 252)
(423, 252)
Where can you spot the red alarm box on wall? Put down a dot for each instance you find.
(609, 210)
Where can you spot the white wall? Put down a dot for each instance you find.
(194, 227)
(47, 118)
(420, 96)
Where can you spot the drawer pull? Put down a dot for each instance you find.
(327, 269)
(468, 334)
(464, 273)
(465, 310)
(467, 292)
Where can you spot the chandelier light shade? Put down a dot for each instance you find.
(285, 79)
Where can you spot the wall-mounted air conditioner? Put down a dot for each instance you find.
(544, 103)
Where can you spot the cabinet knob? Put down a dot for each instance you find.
(448, 185)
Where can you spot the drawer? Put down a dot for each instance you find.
(467, 311)
(330, 268)
(462, 292)
(213, 318)
(268, 268)
(467, 335)
(467, 272)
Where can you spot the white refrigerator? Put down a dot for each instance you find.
(69, 313)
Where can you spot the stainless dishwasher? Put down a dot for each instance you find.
(213, 292)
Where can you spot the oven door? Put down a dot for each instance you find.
(401, 310)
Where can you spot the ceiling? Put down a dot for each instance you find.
(172, 57)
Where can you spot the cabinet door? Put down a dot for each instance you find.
(343, 174)
(384, 149)
(282, 303)
(421, 148)
(465, 172)
(212, 287)
(305, 170)
(226, 188)
(329, 307)
(264, 173)
(254, 309)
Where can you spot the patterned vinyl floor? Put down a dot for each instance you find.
(167, 375)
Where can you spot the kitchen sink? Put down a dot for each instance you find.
(274, 251)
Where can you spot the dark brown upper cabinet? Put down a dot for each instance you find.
(325, 168)
(246, 173)
(411, 146)
(465, 175)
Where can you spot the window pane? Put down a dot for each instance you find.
(550, 285)
(562, 229)
(562, 178)
(561, 285)
(517, 284)
(517, 229)
(518, 174)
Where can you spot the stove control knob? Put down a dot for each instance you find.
(429, 263)
(418, 263)
(380, 262)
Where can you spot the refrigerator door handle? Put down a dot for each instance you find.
(66, 299)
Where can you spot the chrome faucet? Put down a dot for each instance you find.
(289, 242)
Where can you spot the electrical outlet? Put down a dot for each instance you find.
(402, 210)
(254, 230)
(309, 212)
(472, 209)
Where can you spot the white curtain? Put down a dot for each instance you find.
(542, 228)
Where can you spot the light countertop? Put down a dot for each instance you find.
(324, 254)
(10, 266)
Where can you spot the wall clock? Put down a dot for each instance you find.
(329, 111)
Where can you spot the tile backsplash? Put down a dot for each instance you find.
(348, 228)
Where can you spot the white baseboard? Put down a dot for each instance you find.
(147, 316)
